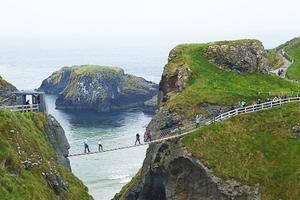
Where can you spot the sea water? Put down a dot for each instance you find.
(25, 63)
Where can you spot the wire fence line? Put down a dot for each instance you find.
(221, 117)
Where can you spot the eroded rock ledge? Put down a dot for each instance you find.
(58, 140)
(170, 172)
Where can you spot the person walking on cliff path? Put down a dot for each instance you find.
(198, 120)
(137, 140)
(86, 146)
(148, 136)
(100, 147)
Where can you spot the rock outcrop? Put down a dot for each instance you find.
(170, 172)
(59, 141)
(100, 88)
(57, 82)
(244, 56)
(173, 81)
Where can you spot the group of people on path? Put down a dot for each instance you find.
(280, 72)
(242, 104)
(148, 133)
(87, 148)
(147, 137)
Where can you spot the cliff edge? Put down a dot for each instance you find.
(228, 160)
(33, 155)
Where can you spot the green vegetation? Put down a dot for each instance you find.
(235, 42)
(101, 72)
(131, 82)
(129, 185)
(254, 148)
(92, 69)
(292, 48)
(23, 137)
(209, 84)
(57, 76)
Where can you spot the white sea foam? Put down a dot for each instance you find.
(117, 177)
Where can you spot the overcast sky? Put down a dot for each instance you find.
(209, 19)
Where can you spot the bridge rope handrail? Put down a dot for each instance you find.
(221, 117)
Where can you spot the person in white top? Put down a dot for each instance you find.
(86, 146)
(100, 147)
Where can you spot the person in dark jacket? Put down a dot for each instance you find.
(137, 140)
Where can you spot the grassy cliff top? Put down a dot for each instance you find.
(209, 84)
(254, 148)
(91, 69)
(23, 137)
(292, 48)
(235, 42)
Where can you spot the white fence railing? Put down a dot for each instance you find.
(22, 108)
(253, 108)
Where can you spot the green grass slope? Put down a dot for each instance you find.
(22, 138)
(91, 69)
(209, 84)
(257, 148)
(292, 48)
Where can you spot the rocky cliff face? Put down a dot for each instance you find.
(100, 88)
(245, 56)
(57, 82)
(170, 172)
(173, 81)
(58, 140)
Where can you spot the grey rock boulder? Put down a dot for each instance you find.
(100, 88)
(247, 56)
(58, 140)
(170, 173)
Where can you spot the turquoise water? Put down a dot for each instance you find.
(106, 173)
(27, 63)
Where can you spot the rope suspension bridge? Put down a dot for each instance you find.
(221, 117)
